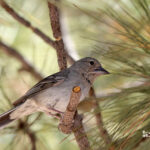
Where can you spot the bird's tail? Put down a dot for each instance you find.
(5, 117)
(21, 110)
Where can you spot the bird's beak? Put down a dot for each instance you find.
(101, 70)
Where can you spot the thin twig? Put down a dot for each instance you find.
(32, 137)
(103, 132)
(143, 139)
(80, 134)
(26, 65)
(26, 23)
(24, 126)
(59, 44)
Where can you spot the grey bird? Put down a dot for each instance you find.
(52, 94)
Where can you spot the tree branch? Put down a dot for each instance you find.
(26, 65)
(26, 23)
(103, 132)
(68, 117)
(72, 121)
(80, 134)
(59, 44)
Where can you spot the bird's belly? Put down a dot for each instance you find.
(58, 97)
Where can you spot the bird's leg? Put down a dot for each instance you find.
(57, 114)
(51, 111)
(57, 111)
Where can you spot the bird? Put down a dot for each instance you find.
(51, 95)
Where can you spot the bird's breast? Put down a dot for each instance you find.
(58, 97)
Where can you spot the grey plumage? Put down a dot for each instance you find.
(52, 94)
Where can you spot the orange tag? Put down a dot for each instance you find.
(76, 89)
(58, 38)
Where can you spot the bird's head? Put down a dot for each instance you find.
(90, 67)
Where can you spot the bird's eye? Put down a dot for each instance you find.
(91, 62)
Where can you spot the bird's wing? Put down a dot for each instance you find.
(50, 81)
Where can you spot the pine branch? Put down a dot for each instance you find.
(72, 121)
(59, 44)
(68, 117)
(26, 65)
(80, 134)
(26, 23)
(103, 132)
